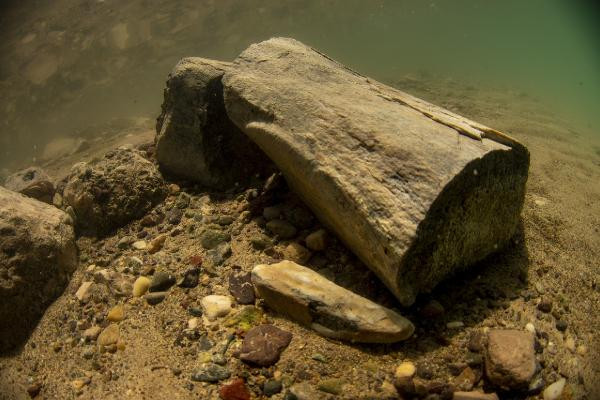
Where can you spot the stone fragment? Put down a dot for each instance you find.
(474, 396)
(38, 254)
(210, 372)
(116, 314)
(282, 228)
(83, 293)
(329, 309)
(215, 306)
(113, 191)
(272, 387)
(211, 238)
(161, 281)
(190, 278)
(545, 305)
(553, 391)
(33, 182)
(155, 297)
(333, 386)
(466, 380)
(405, 370)
(260, 241)
(92, 333)
(156, 244)
(34, 389)
(264, 344)
(234, 390)
(195, 139)
(402, 182)
(140, 245)
(296, 252)
(510, 358)
(141, 286)
(304, 391)
(240, 287)
(317, 241)
(110, 335)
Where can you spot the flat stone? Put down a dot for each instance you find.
(240, 287)
(264, 344)
(155, 297)
(282, 228)
(157, 244)
(333, 386)
(210, 372)
(400, 181)
(510, 358)
(215, 306)
(110, 335)
(235, 390)
(329, 309)
(317, 241)
(161, 281)
(83, 293)
(141, 286)
(474, 396)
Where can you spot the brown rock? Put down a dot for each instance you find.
(109, 336)
(32, 182)
(317, 241)
(263, 345)
(474, 396)
(466, 380)
(510, 358)
(235, 390)
(240, 287)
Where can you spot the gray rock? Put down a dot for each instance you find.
(33, 182)
(210, 372)
(510, 358)
(416, 191)
(260, 241)
(37, 257)
(282, 228)
(211, 238)
(113, 191)
(272, 387)
(190, 278)
(194, 138)
(329, 309)
(161, 281)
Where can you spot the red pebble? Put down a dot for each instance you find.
(235, 390)
(196, 261)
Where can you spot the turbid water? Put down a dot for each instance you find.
(71, 68)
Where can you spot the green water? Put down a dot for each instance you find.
(68, 65)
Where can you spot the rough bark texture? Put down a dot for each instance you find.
(37, 258)
(195, 140)
(415, 191)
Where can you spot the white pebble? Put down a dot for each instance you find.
(554, 391)
(140, 245)
(216, 306)
(530, 327)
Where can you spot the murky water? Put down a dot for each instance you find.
(75, 68)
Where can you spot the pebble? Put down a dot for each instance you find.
(582, 349)
(561, 325)
(319, 357)
(141, 286)
(476, 342)
(193, 323)
(282, 228)
(210, 372)
(204, 343)
(553, 391)
(510, 358)
(139, 245)
(317, 241)
(225, 220)
(466, 380)
(83, 293)
(174, 216)
(296, 252)
(78, 384)
(215, 306)
(474, 396)
(264, 344)
(240, 287)
(433, 309)
(212, 238)
(110, 335)
(530, 327)
(405, 370)
(190, 278)
(157, 244)
(272, 212)
(155, 297)
(92, 333)
(116, 314)
(570, 344)
(272, 387)
(124, 242)
(455, 325)
(34, 389)
(161, 281)
(235, 390)
(545, 305)
(260, 242)
(331, 385)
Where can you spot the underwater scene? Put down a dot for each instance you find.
(299, 199)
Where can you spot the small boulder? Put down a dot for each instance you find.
(510, 358)
(113, 191)
(264, 344)
(33, 182)
(329, 309)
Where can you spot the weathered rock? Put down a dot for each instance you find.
(92, 333)
(210, 238)
(113, 191)
(211, 373)
(234, 390)
(317, 240)
(326, 307)
(296, 252)
(155, 297)
(282, 228)
(190, 278)
(263, 345)
(215, 306)
(510, 358)
(194, 138)
(416, 191)
(272, 387)
(37, 257)
(161, 281)
(33, 182)
(240, 287)
(110, 335)
(116, 314)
